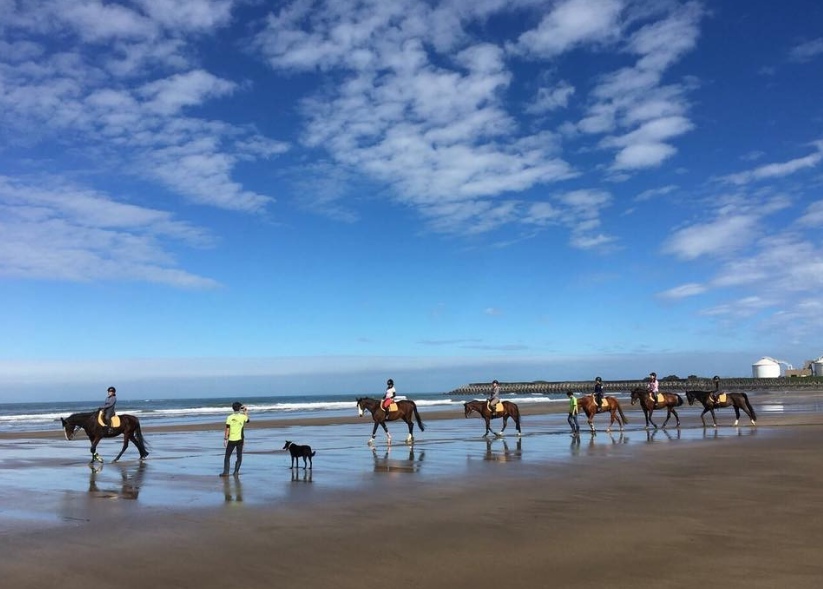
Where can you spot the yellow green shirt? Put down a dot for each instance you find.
(235, 423)
(572, 405)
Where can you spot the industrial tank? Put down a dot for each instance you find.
(817, 367)
(766, 368)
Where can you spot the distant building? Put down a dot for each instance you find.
(766, 368)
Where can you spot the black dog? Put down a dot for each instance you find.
(298, 452)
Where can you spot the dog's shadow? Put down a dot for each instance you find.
(300, 475)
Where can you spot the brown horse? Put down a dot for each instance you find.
(129, 428)
(589, 407)
(406, 410)
(737, 400)
(482, 407)
(670, 401)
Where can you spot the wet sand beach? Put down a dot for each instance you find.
(673, 508)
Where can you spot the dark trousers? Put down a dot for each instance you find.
(230, 447)
(573, 422)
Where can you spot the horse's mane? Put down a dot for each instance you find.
(79, 417)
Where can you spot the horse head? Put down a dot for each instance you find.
(360, 406)
(636, 395)
(468, 408)
(68, 429)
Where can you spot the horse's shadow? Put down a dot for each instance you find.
(386, 463)
(505, 454)
(131, 480)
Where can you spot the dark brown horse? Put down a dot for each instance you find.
(482, 407)
(737, 400)
(406, 410)
(589, 407)
(670, 401)
(129, 428)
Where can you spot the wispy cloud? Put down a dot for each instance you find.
(807, 51)
(689, 289)
(778, 169)
(58, 231)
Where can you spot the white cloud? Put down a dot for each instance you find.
(723, 235)
(492, 311)
(169, 95)
(549, 99)
(689, 289)
(654, 192)
(807, 51)
(813, 217)
(745, 307)
(569, 24)
(777, 170)
(59, 231)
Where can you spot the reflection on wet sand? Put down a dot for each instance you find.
(400, 463)
(503, 454)
(300, 477)
(232, 490)
(131, 479)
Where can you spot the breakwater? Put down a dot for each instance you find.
(690, 384)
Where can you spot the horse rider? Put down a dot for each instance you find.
(108, 407)
(598, 393)
(388, 396)
(653, 387)
(494, 397)
(713, 396)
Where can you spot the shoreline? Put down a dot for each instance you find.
(681, 514)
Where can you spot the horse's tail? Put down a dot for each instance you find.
(417, 417)
(138, 433)
(749, 405)
(679, 400)
(620, 410)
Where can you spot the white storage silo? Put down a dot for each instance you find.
(817, 367)
(766, 368)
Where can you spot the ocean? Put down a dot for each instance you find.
(43, 416)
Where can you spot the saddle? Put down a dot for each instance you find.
(115, 420)
(721, 398)
(604, 404)
(498, 409)
(660, 398)
(390, 408)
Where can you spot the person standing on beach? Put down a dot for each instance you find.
(653, 386)
(234, 436)
(108, 407)
(598, 393)
(573, 410)
(494, 397)
(388, 396)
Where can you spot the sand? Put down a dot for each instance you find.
(736, 507)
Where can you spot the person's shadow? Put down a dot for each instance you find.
(232, 490)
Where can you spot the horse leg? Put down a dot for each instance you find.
(651, 411)
(611, 422)
(703, 419)
(505, 423)
(714, 417)
(736, 415)
(488, 425)
(589, 417)
(94, 455)
(123, 449)
(668, 416)
(410, 437)
(676, 416)
(373, 431)
(386, 429)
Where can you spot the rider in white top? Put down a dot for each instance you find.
(389, 395)
(653, 387)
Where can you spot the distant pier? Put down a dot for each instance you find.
(684, 384)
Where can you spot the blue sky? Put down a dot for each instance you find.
(327, 193)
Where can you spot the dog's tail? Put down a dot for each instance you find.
(313, 453)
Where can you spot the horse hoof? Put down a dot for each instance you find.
(754, 423)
